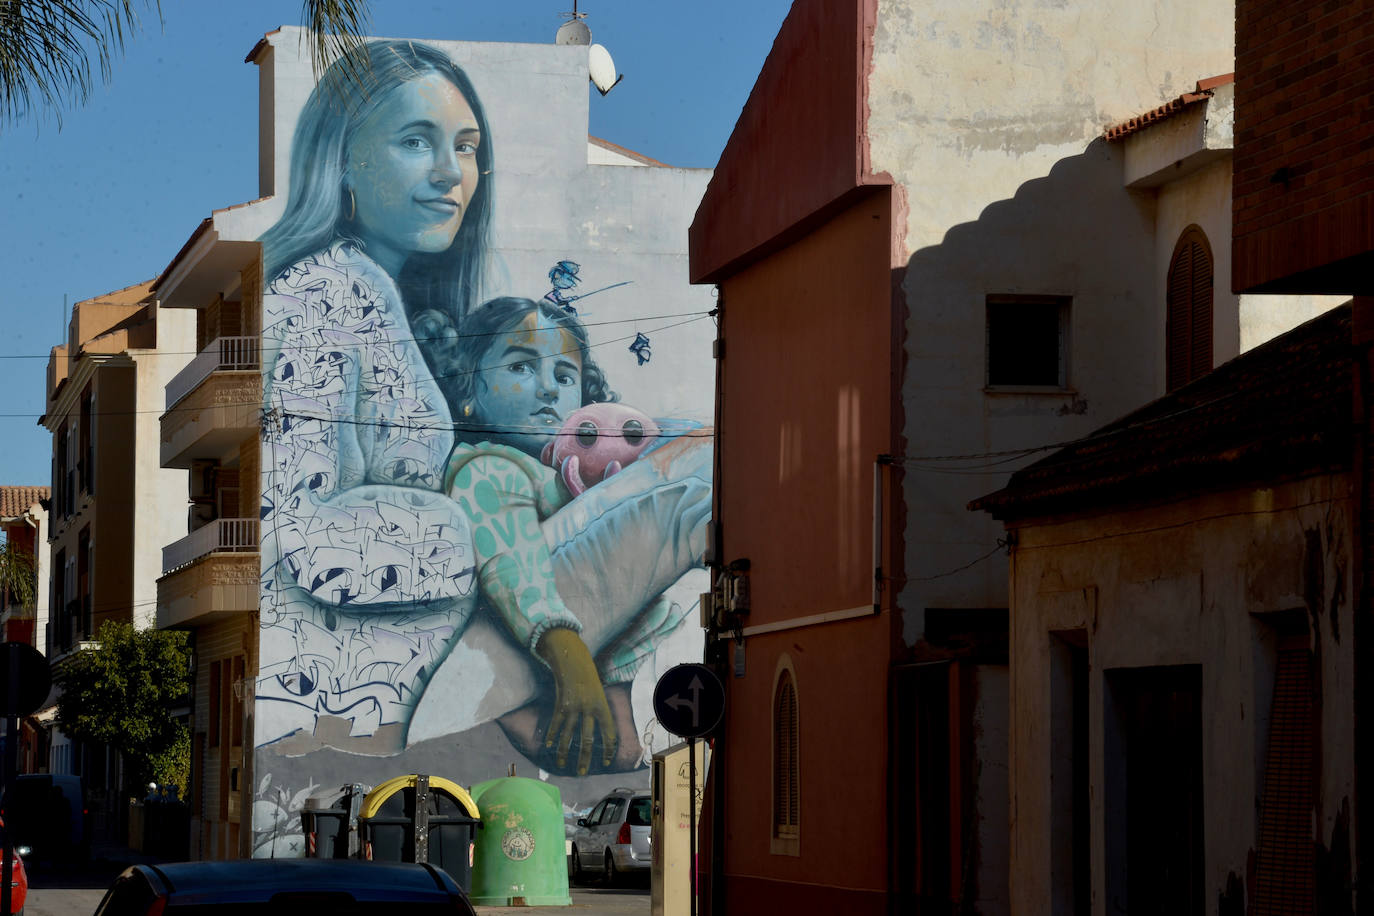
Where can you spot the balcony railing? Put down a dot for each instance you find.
(225, 535)
(223, 353)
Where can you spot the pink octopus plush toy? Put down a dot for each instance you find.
(596, 442)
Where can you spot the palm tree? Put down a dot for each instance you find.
(47, 46)
(18, 575)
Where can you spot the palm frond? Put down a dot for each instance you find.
(337, 29)
(46, 48)
(18, 575)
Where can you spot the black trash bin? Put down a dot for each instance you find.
(330, 822)
(421, 818)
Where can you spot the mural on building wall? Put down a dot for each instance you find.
(462, 524)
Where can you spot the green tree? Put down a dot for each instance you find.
(47, 46)
(122, 694)
(18, 574)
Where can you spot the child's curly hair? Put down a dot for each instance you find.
(458, 356)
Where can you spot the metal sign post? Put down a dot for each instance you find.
(689, 701)
(692, 819)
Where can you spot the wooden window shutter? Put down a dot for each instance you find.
(786, 786)
(1285, 861)
(1188, 333)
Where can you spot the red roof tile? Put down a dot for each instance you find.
(1169, 108)
(15, 501)
(617, 148)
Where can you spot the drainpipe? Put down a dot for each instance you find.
(717, 565)
(878, 464)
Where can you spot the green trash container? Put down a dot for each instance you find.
(521, 857)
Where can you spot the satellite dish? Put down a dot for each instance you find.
(573, 32)
(602, 69)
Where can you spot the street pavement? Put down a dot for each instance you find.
(75, 890)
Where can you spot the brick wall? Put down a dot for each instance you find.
(1304, 157)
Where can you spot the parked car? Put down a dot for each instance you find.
(47, 812)
(19, 878)
(338, 887)
(614, 837)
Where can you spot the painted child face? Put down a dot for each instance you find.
(531, 381)
(412, 168)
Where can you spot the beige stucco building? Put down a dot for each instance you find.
(113, 504)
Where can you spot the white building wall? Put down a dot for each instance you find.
(159, 493)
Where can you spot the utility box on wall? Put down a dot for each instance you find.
(671, 871)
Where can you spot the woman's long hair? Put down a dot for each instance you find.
(443, 285)
(463, 354)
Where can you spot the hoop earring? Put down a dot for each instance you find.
(352, 206)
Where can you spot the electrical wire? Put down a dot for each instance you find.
(1001, 545)
(585, 324)
(696, 316)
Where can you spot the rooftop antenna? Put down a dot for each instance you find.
(600, 66)
(574, 31)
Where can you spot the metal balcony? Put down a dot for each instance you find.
(223, 354)
(225, 535)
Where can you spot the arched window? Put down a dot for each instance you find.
(1188, 330)
(786, 777)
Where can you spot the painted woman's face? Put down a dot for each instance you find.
(531, 380)
(412, 168)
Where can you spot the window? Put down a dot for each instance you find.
(1026, 341)
(59, 476)
(85, 461)
(786, 754)
(72, 452)
(1285, 861)
(614, 809)
(1188, 325)
(85, 555)
(594, 817)
(214, 703)
(640, 813)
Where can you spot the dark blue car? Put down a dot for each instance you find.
(338, 887)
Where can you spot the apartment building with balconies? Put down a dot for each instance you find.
(113, 504)
(270, 720)
(210, 429)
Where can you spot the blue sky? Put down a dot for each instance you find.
(107, 200)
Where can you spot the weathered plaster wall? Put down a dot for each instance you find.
(969, 100)
(1074, 232)
(986, 115)
(1179, 584)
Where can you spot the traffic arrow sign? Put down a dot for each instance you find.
(689, 700)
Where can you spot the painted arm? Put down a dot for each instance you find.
(505, 493)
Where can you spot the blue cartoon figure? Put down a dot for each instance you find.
(563, 276)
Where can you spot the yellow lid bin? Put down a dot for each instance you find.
(521, 855)
(419, 818)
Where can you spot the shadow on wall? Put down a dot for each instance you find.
(1065, 270)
